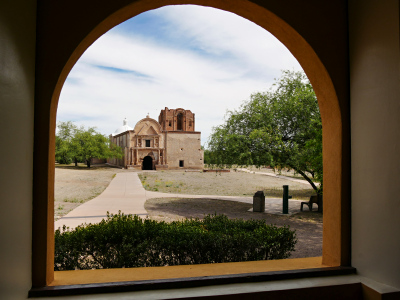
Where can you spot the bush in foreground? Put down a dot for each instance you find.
(129, 241)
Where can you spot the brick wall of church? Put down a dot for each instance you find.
(177, 120)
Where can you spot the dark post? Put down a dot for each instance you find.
(259, 202)
(320, 206)
(286, 197)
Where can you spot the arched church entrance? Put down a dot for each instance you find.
(147, 163)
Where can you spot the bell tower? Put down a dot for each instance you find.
(179, 119)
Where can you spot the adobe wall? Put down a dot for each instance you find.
(169, 119)
(123, 141)
(17, 88)
(186, 147)
(96, 160)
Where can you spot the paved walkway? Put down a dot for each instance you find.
(125, 193)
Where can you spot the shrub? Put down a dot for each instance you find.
(129, 241)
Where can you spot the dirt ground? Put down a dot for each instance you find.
(308, 225)
(224, 184)
(76, 185)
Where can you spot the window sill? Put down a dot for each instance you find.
(175, 277)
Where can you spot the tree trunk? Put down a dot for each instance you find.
(317, 190)
(88, 163)
(76, 162)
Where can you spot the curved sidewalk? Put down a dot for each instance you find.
(125, 193)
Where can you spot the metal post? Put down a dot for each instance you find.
(285, 205)
(286, 197)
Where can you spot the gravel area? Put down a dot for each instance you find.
(224, 184)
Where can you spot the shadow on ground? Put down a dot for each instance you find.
(308, 225)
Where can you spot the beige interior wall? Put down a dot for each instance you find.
(17, 62)
(375, 143)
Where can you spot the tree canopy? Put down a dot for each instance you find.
(65, 151)
(281, 128)
(79, 144)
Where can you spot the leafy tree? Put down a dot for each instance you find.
(281, 128)
(80, 144)
(65, 151)
(206, 156)
(90, 144)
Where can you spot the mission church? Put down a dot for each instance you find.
(170, 143)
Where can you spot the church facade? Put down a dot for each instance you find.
(170, 143)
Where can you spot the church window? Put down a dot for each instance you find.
(169, 123)
(147, 143)
(181, 164)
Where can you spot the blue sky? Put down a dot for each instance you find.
(197, 58)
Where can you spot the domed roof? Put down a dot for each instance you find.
(123, 128)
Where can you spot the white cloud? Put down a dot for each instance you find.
(224, 59)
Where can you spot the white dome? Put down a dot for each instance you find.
(123, 128)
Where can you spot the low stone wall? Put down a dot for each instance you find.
(95, 161)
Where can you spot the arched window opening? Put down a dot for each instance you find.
(324, 82)
(179, 121)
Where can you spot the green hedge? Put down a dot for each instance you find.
(129, 241)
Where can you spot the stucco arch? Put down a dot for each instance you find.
(147, 122)
(87, 28)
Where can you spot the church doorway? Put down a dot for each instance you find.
(147, 163)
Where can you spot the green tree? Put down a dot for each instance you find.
(80, 144)
(88, 144)
(281, 128)
(65, 151)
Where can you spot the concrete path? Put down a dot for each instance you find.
(126, 193)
